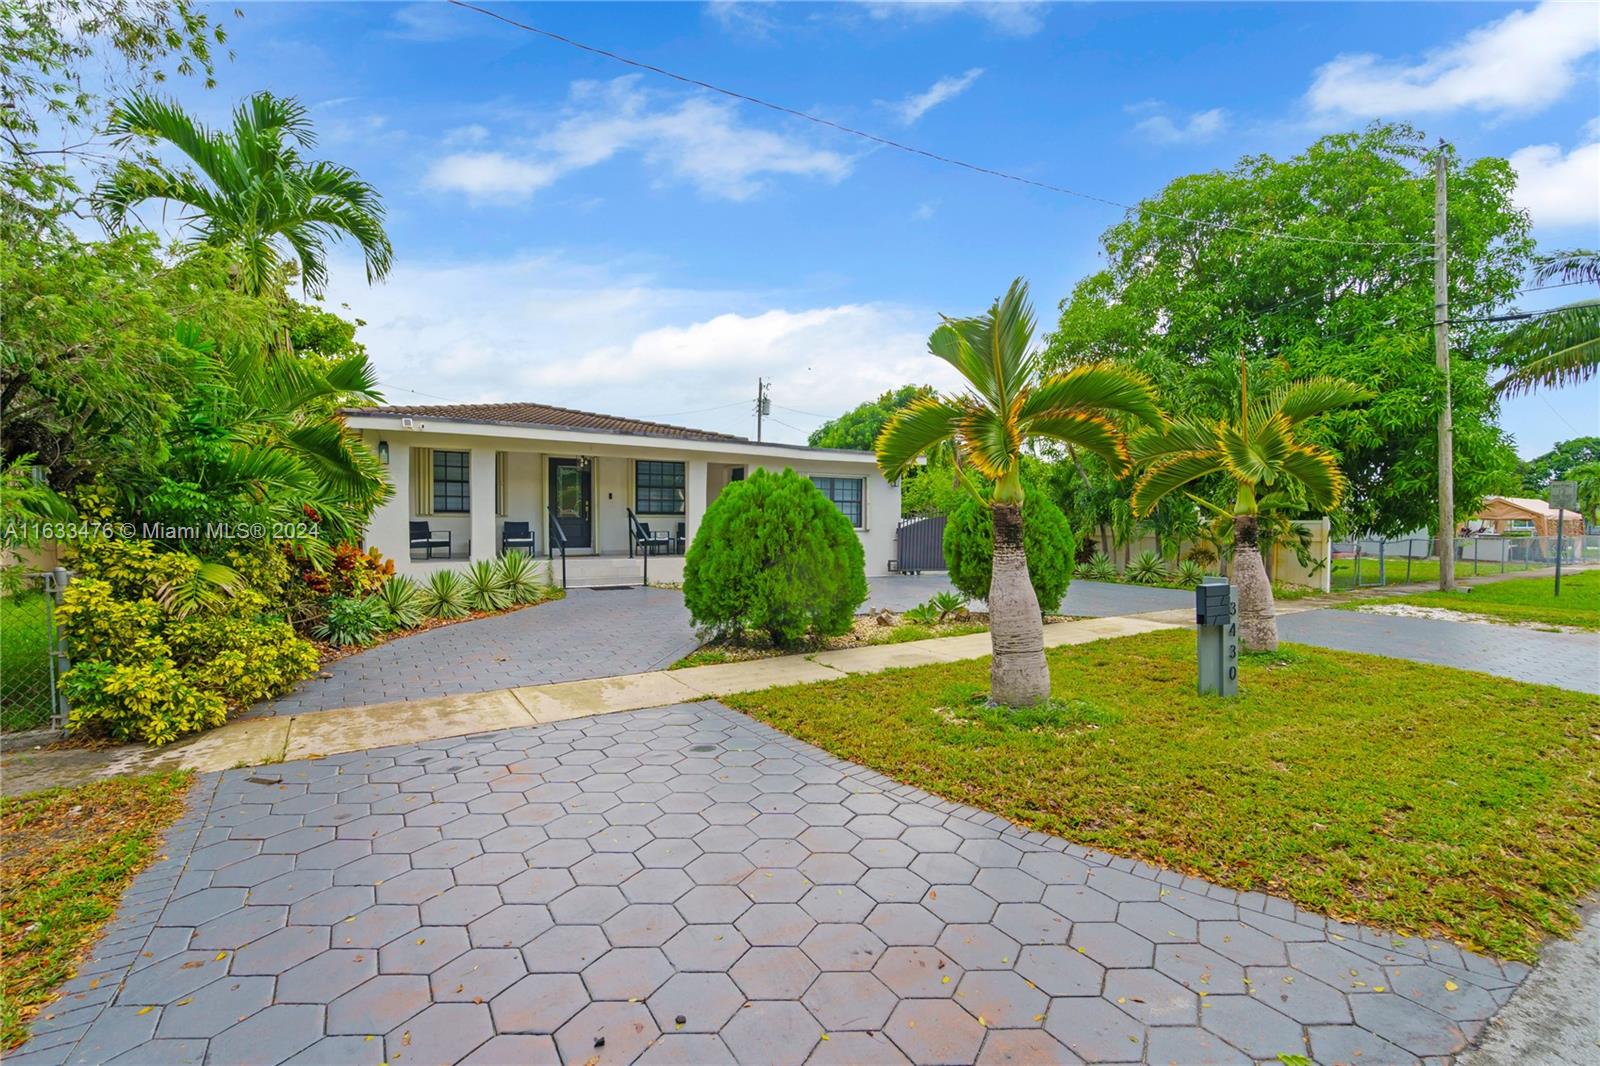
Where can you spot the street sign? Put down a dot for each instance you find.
(1564, 495)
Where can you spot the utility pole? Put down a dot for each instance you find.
(763, 405)
(1441, 355)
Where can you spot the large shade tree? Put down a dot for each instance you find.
(1009, 403)
(1321, 263)
(1261, 449)
(249, 189)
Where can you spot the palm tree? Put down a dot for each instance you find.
(988, 427)
(260, 431)
(1271, 470)
(252, 192)
(1561, 346)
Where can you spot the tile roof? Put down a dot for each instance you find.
(539, 414)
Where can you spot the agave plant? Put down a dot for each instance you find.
(947, 604)
(402, 598)
(519, 574)
(1188, 574)
(486, 588)
(923, 614)
(1101, 568)
(445, 595)
(1147, 569)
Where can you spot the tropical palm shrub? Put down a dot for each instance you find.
(1147, 568)
(774, 557)
(486, 587)
(402, 598)
(249, 190)
(1259, 449)
(520, 577)
(355, 620)
(1188, 574)
(1047, 538)
(1011, 402)
(445, 595)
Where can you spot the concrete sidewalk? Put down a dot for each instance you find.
(260, 741)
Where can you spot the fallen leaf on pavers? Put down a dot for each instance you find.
(405, 1038)
(1451, 986)
(146, 1010)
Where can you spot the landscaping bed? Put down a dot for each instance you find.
(1411, 796)
(884, 627)
(70, 853)
(1524, 601)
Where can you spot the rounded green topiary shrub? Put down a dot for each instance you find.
(774, 556)
(1046, 538)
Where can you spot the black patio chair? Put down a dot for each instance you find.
(428, 539)
(516, 535)
(683, 533)
(643, 538)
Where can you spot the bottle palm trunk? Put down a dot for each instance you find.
(1258, 616)
(1018, 674)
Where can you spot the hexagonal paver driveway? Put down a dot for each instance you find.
(686, 885)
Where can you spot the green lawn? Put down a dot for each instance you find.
(24, 661)
(70, 853)
(1416, 797)
(1530, 599)
(1395, 571)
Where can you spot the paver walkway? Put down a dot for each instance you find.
(589, 633)
(682, 884)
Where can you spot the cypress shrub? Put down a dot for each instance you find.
(1047, 539)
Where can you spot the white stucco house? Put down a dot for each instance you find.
(468, 475)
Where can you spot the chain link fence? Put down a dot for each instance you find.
(1376, 562)
(30, 661)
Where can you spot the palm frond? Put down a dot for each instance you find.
(1575, 265)
(1170, 474)
(989, 441)
(1093, 433)
(1096, 387)
(1318, 473)
(1181, 435)
(913, 431)
(1306, 399)
(1561, 348)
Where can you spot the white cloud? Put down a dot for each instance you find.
(472, 133)
(916, 105)
(925, 210)
(1198, 127)
(695, 139)
(1017, 18)
(550, 329)
(1520, 63)
(749, 17)
(1559, 189)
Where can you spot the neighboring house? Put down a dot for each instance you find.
(1519, 516)
(468, 469)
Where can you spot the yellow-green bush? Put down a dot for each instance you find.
(146, 669)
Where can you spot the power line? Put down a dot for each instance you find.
(699, 410)
(418, 392)
(912, 149)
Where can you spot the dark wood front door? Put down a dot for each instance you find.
(571, 497)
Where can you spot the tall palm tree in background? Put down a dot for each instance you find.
(249, 190)
(1257, 449)
(988, 427)
(1561, 346)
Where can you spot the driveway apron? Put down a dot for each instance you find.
(683, 884)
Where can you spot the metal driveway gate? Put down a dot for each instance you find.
(919, 544)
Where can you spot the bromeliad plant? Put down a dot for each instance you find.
(1010, 402)
(1272, 469)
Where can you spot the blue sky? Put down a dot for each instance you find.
(573, 232)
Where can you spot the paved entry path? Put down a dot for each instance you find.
(685, 885)
(589, 633)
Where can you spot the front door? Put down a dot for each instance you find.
(572, 500)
